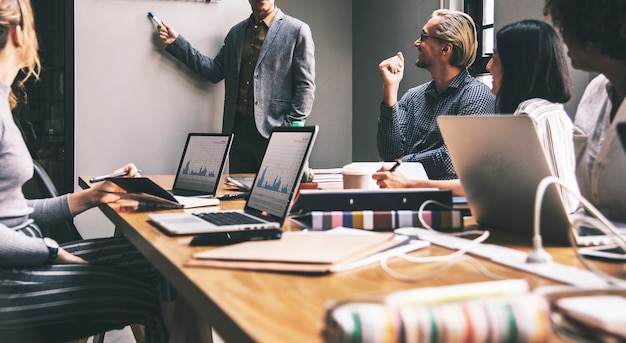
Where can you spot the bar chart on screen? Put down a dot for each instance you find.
(279, 171)
(202, 162)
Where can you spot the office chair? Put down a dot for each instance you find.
(41, 186)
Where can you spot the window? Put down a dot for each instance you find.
(483, 12)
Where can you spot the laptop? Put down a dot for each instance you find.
(271, 195)
(500, 162)
(621, 132)
(201, 164)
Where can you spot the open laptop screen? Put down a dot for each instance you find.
(202, 163)
(281, 170)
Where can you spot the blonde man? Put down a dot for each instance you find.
(407, 129)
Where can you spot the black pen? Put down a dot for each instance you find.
(395, 166)
(104, 177)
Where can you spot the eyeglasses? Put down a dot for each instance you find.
(424, 36)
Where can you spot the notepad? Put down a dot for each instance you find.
(301, 252)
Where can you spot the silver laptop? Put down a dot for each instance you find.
(201, 164)
(621, 132)
(500, 162)
(270, 197)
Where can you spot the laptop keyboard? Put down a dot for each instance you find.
(228, 218)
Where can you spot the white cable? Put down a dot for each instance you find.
(420, 212)
(442, 262)
(445, 258)
(600, 222)
(440, 268)
(581, 220)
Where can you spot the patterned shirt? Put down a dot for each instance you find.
(252, 43)
(409, 129)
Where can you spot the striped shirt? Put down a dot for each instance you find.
(555, 131)
(409, 129)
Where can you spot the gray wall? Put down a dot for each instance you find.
(377, 35)
(136, 103)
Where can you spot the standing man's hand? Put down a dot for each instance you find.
(392, 71)
(167, 34)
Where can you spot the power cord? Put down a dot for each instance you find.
(577, 220)
(443, 262)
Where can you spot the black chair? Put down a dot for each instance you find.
(41, 186)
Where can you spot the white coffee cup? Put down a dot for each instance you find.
(355, 178)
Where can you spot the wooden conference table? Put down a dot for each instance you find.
(273, 307)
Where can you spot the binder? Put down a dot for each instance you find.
(380, 220)
(375, 200)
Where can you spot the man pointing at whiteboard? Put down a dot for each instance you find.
(267, 63)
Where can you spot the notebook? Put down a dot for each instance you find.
(500, 162)
(272, 190)
(201, 164)
(308, 252)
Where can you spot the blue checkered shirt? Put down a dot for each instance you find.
(409, 129)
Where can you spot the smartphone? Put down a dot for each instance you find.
(609, 252)
(223, 238)
(599, 312)
(234, 196)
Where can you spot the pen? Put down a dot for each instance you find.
(395, 166)
(104, 177)
(155, 20)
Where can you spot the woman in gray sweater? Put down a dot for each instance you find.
(51, 293)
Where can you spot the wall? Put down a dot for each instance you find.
(378, 33)
(136, 103)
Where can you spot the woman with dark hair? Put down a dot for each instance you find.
(530, 77)
(595, 34)
(530, 54)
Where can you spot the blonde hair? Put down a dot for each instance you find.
(19, 13)
(459, 29)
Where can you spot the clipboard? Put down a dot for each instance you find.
(148, 193)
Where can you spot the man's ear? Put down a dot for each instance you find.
(17, 35)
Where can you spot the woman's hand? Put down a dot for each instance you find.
(100, 193)
(65, 257)
(102, 190)
(388, 179)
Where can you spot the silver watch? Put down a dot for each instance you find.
(53, 248)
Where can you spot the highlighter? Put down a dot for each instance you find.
(156, 21)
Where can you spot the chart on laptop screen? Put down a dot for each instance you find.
(279, 170)
(201, 163)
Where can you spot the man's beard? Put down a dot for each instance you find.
(421, 64)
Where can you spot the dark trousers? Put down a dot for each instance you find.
(248, 147)
(63, 302)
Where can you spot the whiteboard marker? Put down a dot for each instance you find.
(155, 20)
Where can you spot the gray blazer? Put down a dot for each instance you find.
(284, 76)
